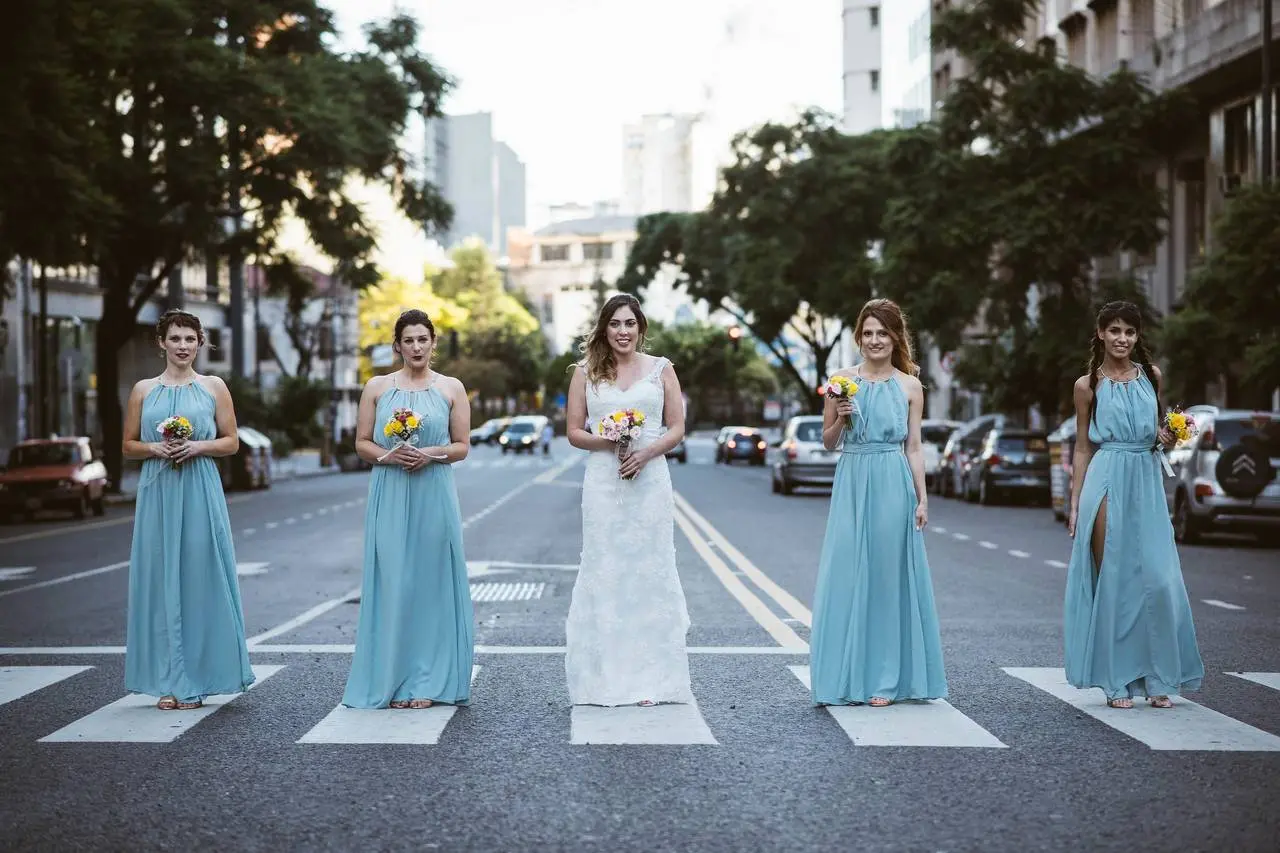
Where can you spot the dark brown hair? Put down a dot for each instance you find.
(176, 318)
(891, 317)
(1129, 313)
(597, 355)
(413, 317)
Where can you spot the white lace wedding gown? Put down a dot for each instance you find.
(625, 636)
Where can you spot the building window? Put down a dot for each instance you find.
(555, 253)
(875, 16)
(1238, 141)
(597, 251)
(216, 354)
(875, 81)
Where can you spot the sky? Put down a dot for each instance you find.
(562, 77)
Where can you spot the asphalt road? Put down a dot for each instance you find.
(1012, 762)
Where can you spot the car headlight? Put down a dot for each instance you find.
(528, 439)
(502, 440)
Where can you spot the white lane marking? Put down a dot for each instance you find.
(348, 648)
(290, 520)
(990, 546)
(272, 525)
(322, 510)
(929, 723)
(476, 568)
(303, 618)
(135, 718)
(630, 724)
(939, 530)
(421, 726)
(507, 591)
(15, 572)
(18, 681)
(65, 578)
(1266, 679)
(789, 604)
(250, 569)
(963, 537)
(249, 531)
(1057, 564)
(552, 473)
(1022, 555)
(306, 516)
(781, 632)
(1185, 726)
(1225, 605)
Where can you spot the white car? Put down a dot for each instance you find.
(802, 460)
(933, 437)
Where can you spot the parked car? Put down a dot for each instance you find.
(944, 478)
(54, 473)
(1196, 494)
(802, 460)
(680, 453)
(1010, 462)
(1062, 449)
(489, 431)
(934, 435)
(969, 442)
(251, 466)
(741, 443)
(523, 433)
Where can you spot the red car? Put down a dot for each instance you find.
(55, 473)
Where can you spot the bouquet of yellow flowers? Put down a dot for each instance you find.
(841, 388)
(175, 428)
(403, 426)
(622, 427)
(1180, 423)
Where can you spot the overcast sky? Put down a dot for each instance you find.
(562, 77)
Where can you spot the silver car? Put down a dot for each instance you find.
(1197, 499)
(801, 459)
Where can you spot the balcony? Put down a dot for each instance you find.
(1209, 45)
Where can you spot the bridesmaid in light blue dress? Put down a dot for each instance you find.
(185, 634)
(1128, 627)
(415, 637)
(875, 637)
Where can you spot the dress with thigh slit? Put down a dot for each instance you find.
(1128, 627)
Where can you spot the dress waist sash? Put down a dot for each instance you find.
(1128, 446)
(862, 448)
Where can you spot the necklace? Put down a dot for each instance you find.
(1103, 370)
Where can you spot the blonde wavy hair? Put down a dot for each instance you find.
(597, 356)
(891, 317)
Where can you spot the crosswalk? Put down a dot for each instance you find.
(1187, 727)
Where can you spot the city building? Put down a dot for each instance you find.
(906, 63)
(567, 267)
(863, 102)
(657, 164)
(482, 177)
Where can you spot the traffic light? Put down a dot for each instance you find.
(735, 335)
(453, 343)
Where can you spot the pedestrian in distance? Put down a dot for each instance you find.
(875, 637)
(625, 634)
(1128, 627)
(185, 627)
(415, 639)
(548, 435)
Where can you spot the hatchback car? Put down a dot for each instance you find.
(1010, 462)
(741, 443)
(934, 435)
(524, 433)
(56, 474)
(1196, 496)
(802, 460)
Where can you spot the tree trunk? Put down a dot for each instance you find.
(114, 332)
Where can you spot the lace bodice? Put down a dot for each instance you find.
(646, 395)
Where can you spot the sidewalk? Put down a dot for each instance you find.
(296, 466)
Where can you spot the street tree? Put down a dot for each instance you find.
(1226, 329)
(381, 304)
(787, 245)
(211, 111)
(714, 374)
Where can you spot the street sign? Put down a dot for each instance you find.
(561, 401)
(1243, 472)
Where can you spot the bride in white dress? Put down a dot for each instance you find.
(625, 636)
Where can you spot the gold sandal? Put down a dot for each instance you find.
(400, 704)
(880, 702)
(168, 703)
(1123, 703)
(420, 704)
(1160, 702)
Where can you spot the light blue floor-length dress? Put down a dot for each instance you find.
(875, 627)
(1128, 627)
(415, 637)
(185, 633)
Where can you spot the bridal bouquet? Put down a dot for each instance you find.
(175, 428)
(403, 427)
(841, 388)
(622, 427)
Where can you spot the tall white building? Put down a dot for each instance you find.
(862, 69)
(906, 62)
(657, 164)
(482, 177)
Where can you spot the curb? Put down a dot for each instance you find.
(119, 500)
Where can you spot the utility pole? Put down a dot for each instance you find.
(1268, 145)
(42, 358)
(20, 345)
(235, 260)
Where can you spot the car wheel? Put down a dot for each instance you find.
(99, 506)
(1185, 527)
(774, 485)
(82, 505)
(683, 458)
(986, 495)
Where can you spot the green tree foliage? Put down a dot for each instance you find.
(189, 112)
(1035, 168)
(717, 378)
(1227, 326)
(787, 244)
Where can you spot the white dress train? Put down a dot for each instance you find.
(625, 636)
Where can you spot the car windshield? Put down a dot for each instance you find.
(1021, 444)
(809, 431)
(1263, 435)
(516, 429)
(43, 454)
(744, 436)
(935, 435)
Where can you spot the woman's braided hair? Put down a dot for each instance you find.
(1129, 313)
